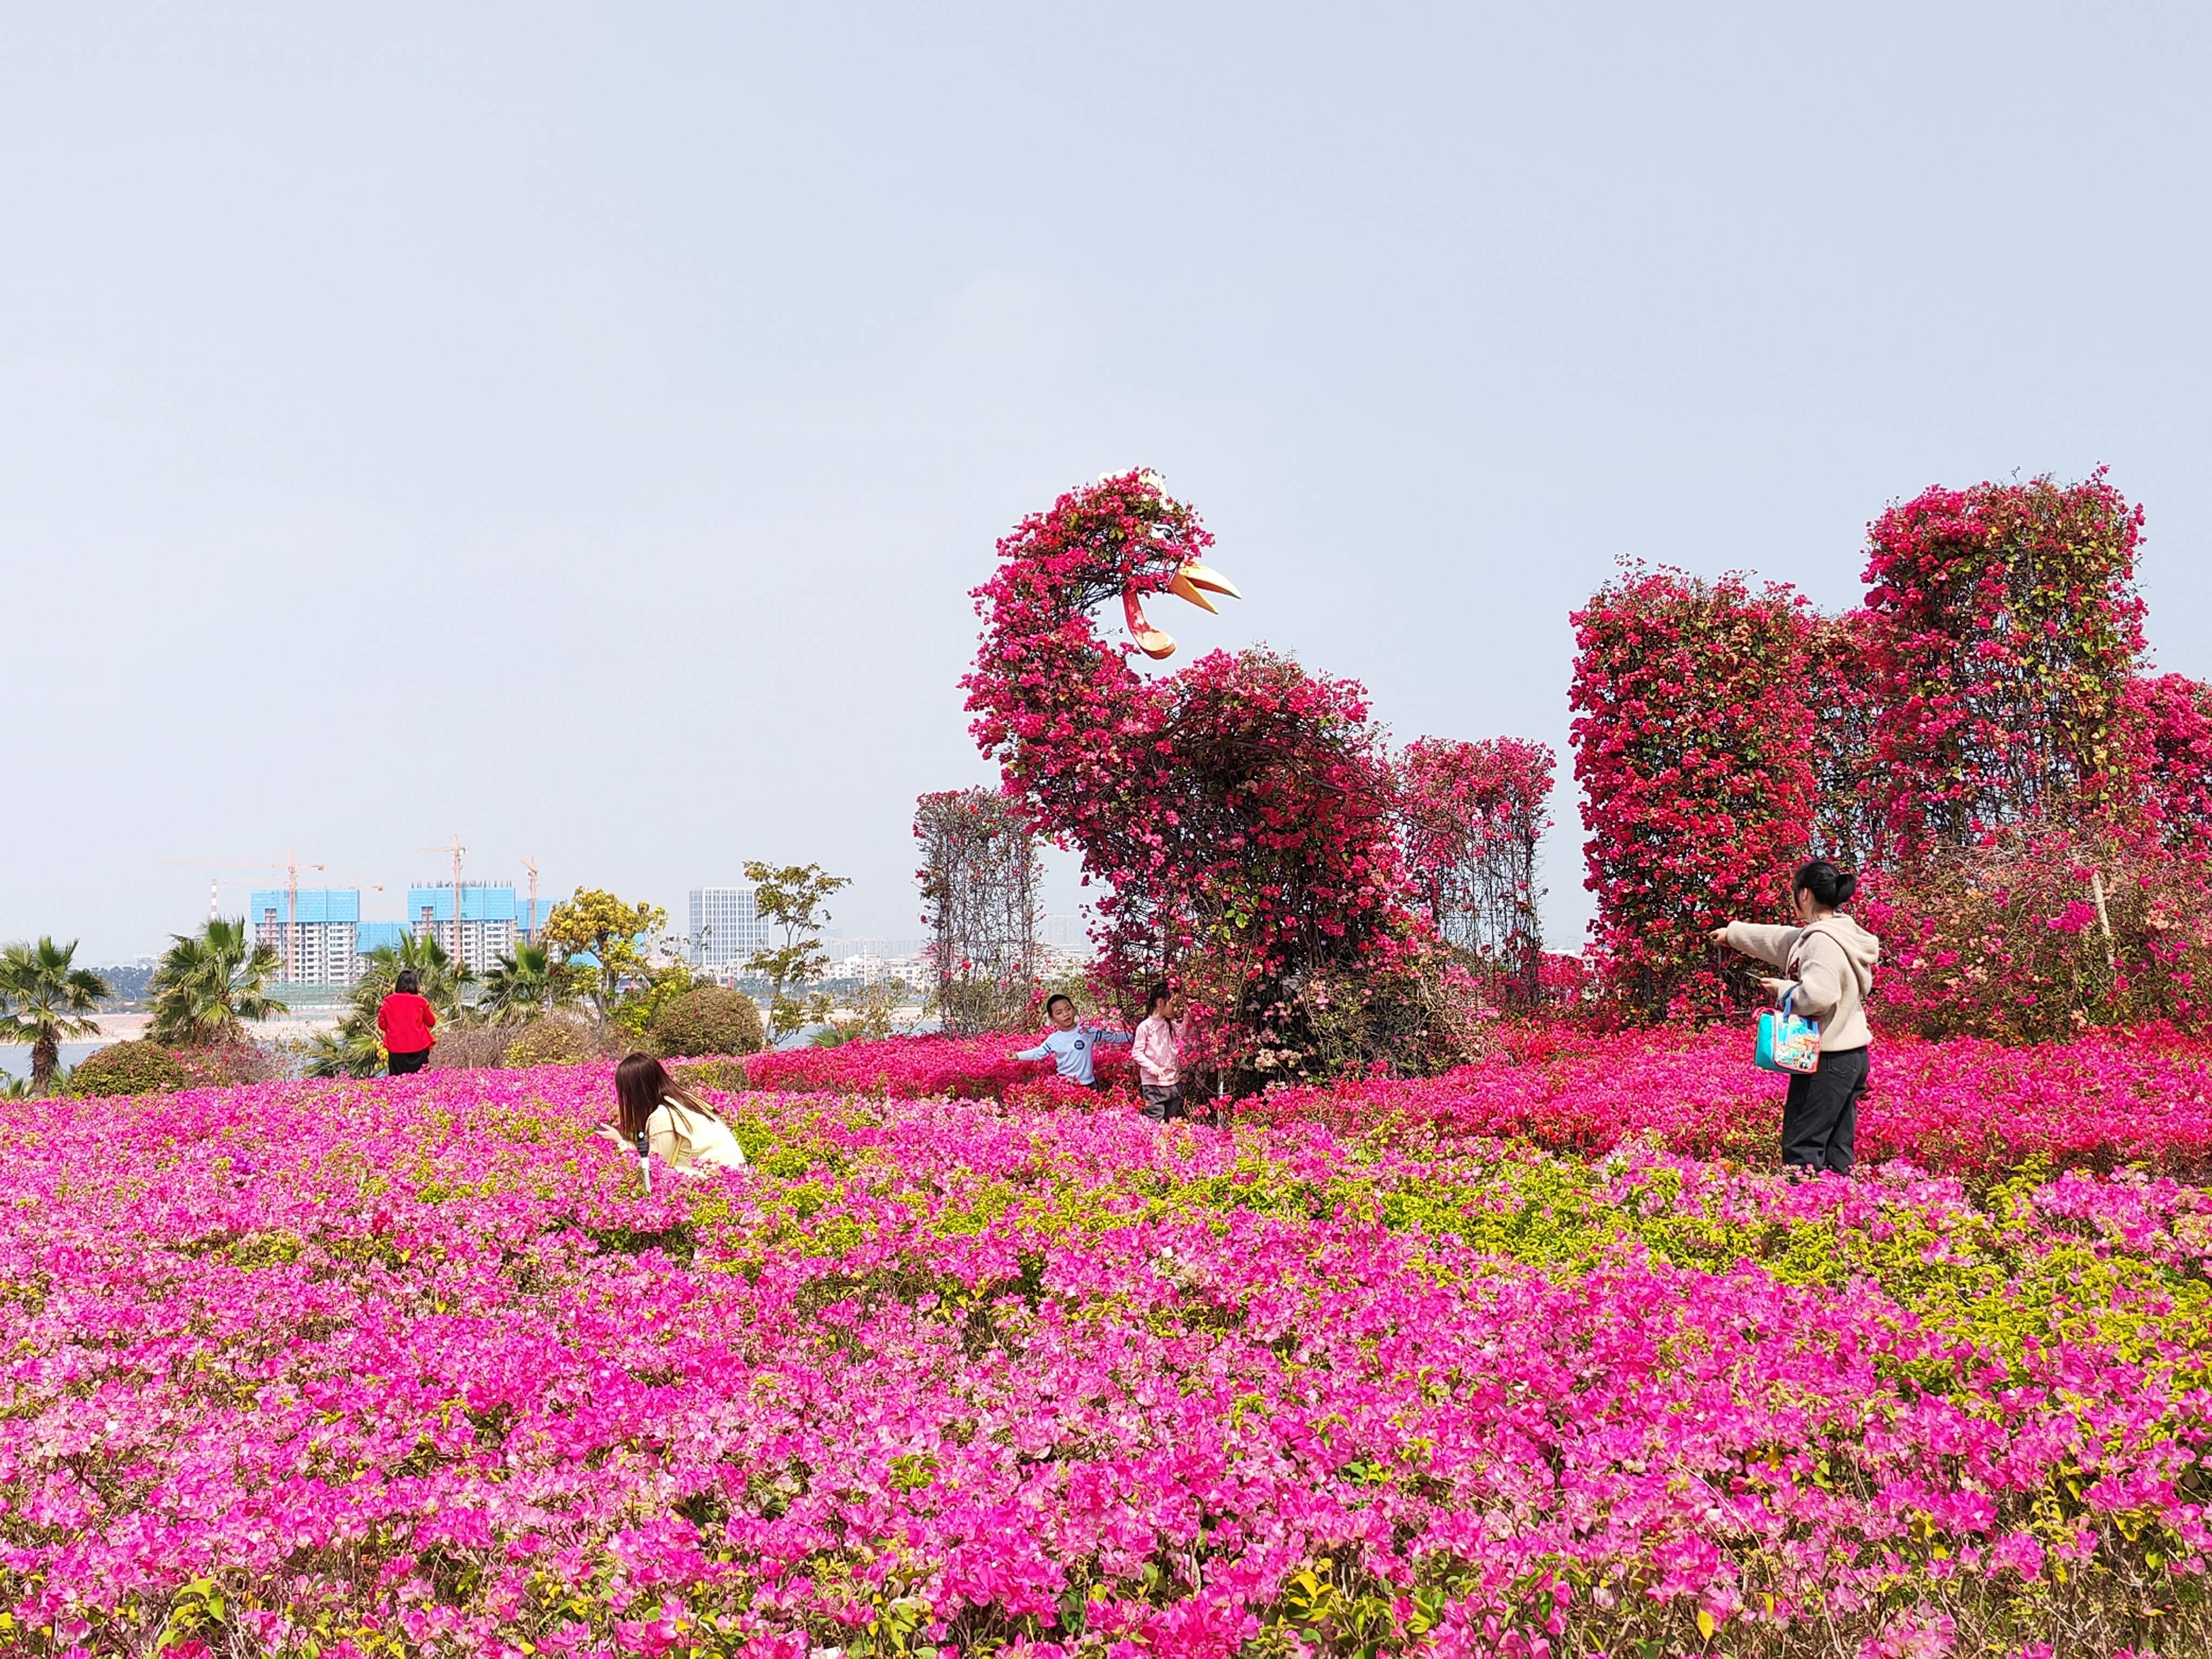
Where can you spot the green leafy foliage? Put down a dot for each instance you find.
(792, 898)
(529, 983)
(708, 1019)
(615, 934)
(137, 1067)
(209, 983)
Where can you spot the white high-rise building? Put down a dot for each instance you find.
(487, 930)
(725, 928)
(312, 931)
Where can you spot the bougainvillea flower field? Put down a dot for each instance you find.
(419, 1366)
(1960, 1106)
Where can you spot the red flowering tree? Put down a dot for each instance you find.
(1842, 691)
(2010, 629)
(979, 879)
(1472, 815)
(1692, 745)
(2170, 726)
(1241, 812)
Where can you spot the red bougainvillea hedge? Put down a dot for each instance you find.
(1692, 745)
(1990, 691)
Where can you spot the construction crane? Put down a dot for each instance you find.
(530, 932)
(291, 867)
(456, 849)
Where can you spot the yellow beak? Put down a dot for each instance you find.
(1193, 581)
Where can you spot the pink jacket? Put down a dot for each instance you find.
(1156, 1052)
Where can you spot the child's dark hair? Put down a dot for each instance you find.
(1159, 993)
(406, 983)
(1058, 996)
(1831, 888)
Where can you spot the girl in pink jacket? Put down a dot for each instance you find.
(1159, 1077)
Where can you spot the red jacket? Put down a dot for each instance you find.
(405, 1020)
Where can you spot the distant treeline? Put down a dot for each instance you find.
(126, 986)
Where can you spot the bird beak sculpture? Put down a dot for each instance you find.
(1193, 581)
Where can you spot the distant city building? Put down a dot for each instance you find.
(840, 950)
(725, 928)
(313, 932)
(1067, 941)
(487, 923)
(530, 916)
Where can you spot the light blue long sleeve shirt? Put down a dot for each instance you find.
(1070, 1051)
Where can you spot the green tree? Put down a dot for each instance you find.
(594, 922)
(208, 983)
(44, 997)
(521, 987)
(791, 897)
(643, 1000)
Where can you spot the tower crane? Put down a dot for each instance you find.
(291, 867)
(456, 849)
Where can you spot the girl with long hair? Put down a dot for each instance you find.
(656, 1115)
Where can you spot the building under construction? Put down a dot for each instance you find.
(491, 920)
(320, 938)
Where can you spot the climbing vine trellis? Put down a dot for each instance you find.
(979, 880)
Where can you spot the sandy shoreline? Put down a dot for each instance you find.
(124, 1028)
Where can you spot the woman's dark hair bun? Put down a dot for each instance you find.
(406, 983)
(1829, 886)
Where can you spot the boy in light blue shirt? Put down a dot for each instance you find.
(1068, 1045)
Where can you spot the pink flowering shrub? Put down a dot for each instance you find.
(2170, 722)
(1964, 1106)
(1842, 660)
(2036, 935)
(416, 1366)
(1692, 740)
(917, 1067)
(1980, 713)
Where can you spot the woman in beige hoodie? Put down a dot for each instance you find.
(1828, 961)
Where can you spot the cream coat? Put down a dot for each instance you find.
(1830, 964)
(689, 1139)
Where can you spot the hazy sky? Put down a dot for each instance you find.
(579, 428)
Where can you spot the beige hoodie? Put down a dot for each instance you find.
(1832, 963)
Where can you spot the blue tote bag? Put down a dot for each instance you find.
(1787, 1042)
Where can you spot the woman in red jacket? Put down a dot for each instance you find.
(404, 1019)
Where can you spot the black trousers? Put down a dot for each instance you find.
(400, 1065)
(1821, 1118)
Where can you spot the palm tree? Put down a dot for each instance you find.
(522, 987)
(44, 998)
(351, 1049)
(207, 984)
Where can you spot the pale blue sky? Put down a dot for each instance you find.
(580, 427)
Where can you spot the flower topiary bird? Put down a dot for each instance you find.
(1239, 811)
